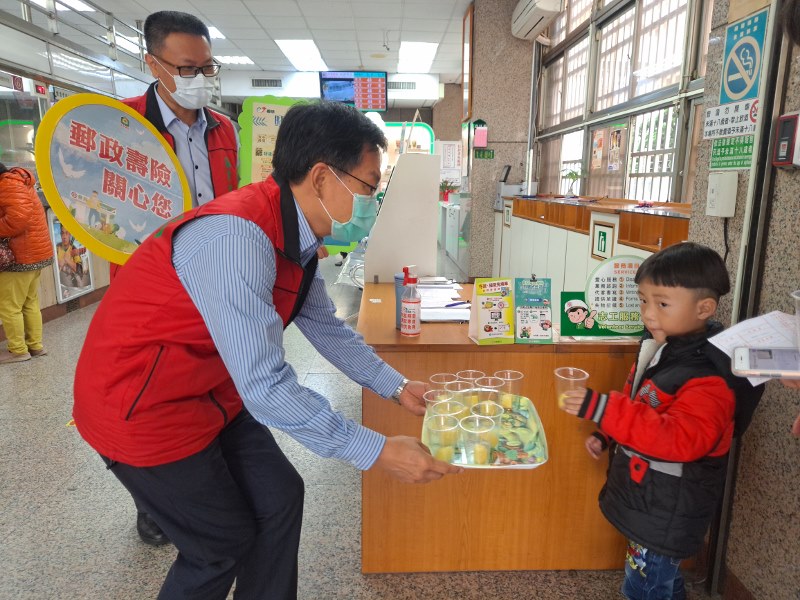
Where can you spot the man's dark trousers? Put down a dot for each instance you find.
(233, 510)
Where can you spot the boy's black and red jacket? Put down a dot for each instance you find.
(672, 424)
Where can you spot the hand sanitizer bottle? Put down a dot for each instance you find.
(410, 308)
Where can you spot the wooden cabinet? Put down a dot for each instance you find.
(651, 232)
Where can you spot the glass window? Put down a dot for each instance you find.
(577, 74)
(616, 53)
(579, 12)
(662, 25)
(571, 160)
(652, 155)
(607, 160)
(554, 91)
(550, 180)
(558, 29)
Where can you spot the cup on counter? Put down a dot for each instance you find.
(796, 297)
(476, 439)
(512, 386)
(439, 380)
(442, 433)
(462, 392)
(432, 397)
(567, 380)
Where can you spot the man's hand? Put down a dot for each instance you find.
(411, 397)
(572, 400)
(322, 252)
(594, 447)
(409, 461)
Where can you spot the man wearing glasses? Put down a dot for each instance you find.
(203, 379)
(179, 57)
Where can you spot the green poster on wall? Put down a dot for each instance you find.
(261, 116)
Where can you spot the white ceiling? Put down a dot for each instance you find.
(349, 33)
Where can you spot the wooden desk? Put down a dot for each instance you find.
(545, 518)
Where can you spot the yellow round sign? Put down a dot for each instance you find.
(108, 175)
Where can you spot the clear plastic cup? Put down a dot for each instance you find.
(796, 297)
(476, 439)
(489, 409)
(431, 397)
(470, 375)
(512, 386)
(461, 390)
(449, 408)
(567, 380)
(442, 434)
(439, 380)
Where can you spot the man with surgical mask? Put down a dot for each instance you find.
(179, 57)
(203, 378)
(205, 142)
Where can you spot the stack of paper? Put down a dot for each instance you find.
(441, 301)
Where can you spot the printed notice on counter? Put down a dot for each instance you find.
(491, 319)
(609, 306)
(534, 321)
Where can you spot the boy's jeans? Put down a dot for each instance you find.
(651, 576)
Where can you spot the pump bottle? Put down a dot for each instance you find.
(410, 308)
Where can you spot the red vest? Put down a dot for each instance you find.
(220, 140)
(150, 386)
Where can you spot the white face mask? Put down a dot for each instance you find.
(194, 93)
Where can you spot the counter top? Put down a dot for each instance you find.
(616, 206)
(376, 320)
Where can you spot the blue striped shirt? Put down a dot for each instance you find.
(227, 265)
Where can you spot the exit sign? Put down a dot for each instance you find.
(484, 153)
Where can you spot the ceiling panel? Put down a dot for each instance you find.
(278, 8)
(382, 11)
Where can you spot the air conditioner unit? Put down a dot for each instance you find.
(531, 17)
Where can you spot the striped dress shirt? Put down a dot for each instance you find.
(227, 265)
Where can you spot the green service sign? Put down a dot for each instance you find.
(732, 153)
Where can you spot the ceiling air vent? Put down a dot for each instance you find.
(266, 83)
(401, 85)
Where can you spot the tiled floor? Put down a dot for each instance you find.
(67, 526)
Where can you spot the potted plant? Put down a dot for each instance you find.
(573, 175)
(445, 187)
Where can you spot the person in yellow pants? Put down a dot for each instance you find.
(23, 224)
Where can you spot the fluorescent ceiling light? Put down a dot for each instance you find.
(303, 54)
(68, 4)
(416, 57)
(215, 33)
(234, 60)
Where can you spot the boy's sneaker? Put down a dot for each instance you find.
(10, 357)
(36, 353)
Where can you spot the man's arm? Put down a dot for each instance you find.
(342, 346)
(227, 266)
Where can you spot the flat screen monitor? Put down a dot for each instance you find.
(366, 90)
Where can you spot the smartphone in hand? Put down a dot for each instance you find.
(781, 363)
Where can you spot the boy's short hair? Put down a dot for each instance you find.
(688, 265)
(327, 132)
(159, 25)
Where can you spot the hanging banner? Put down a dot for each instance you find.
(108, 175)
(609, 306)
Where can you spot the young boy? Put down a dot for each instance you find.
(671, 425)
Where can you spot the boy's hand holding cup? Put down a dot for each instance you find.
(570, 388)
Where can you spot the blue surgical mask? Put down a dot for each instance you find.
(365, 211)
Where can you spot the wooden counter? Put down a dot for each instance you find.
(544, 518)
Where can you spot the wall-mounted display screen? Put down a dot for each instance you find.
(366, 90)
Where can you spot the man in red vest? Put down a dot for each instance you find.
(182, 371)
(205, 142)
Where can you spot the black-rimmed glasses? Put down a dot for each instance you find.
(190, 72)
(372, 188)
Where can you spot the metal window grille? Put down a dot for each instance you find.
(661, 33)
(651, 165)
(571, 160)
(579, 11)
(575, 89)
(616, 53)
(558, 28)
